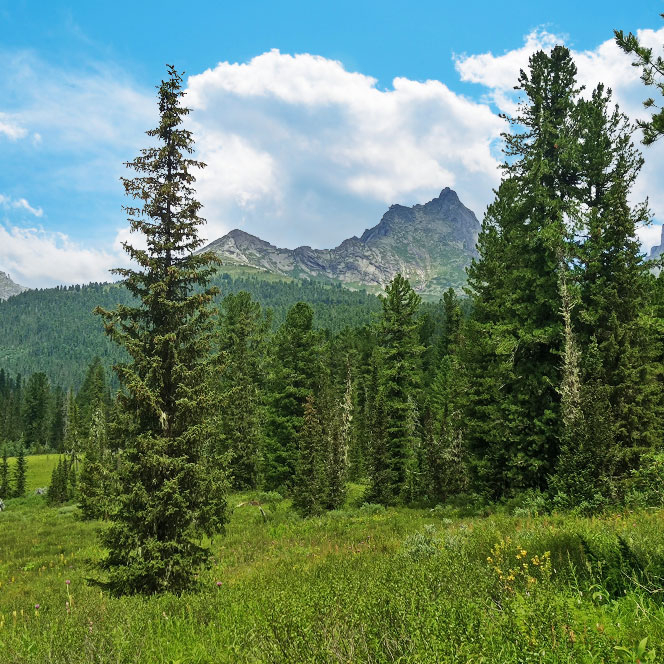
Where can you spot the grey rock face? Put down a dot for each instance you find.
(8, 287)
(657, 251)
(430, 244)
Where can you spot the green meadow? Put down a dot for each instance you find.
(362, 584)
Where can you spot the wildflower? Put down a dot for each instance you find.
(67, 581)
(36, 607)
(218, 584)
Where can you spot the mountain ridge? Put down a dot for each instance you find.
(9, 287)
(431, 244)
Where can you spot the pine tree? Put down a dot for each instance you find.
(443, 454)
(95, 486)
(20, 472)
(94, 394)
(309, 485)
(399, 381)
(652, 74)
(57, 421)
(242, 343)
(35, 411)
(339, 443)
(171, 490)
(295, 366)
(381, 478)
(614, 277)
(514, 337)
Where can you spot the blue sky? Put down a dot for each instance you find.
(313, 117)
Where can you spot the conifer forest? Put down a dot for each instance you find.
(201, 466)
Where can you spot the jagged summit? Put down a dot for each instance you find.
(430, 244)
(8, 287)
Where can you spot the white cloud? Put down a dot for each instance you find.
(10, 128)
(20, 204)
(38, 258)
(605, 64)
(299, 150)
(650, 236)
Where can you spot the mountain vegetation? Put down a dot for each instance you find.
(532, 403)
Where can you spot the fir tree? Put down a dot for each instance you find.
(652, 74)
(171, 490)
(514, 338)
(339, 443)
(381, 478)
(58, 490)
(35, 411)
(295, 366)
(242, 343)
(614, 277)
(95, 487)
(443, 456)
(399, 380)
(57, 421)
(309, 485)
(94, 394)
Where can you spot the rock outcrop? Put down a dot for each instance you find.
(430, 244)
(8, 287)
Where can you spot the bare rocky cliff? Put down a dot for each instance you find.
(8, 287)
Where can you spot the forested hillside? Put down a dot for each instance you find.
(54, 330)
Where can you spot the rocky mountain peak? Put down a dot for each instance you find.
(431, 244)
(8, 287)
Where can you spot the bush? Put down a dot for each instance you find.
(422, 544)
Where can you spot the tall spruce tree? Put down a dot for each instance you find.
(444, 455)
(309, 483)
(57, 421)
(242, 338)
(399, 383)
(171, 491)
(36, 411)
(614, 280)
(95, 484)
(515, 335)
(338, 438)
(294, 370)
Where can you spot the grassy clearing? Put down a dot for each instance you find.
(39, 469)
(358, 585)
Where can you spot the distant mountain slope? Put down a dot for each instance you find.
(54, 330)
(8, 287)
(430, 244)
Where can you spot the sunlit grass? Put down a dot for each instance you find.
(357, 585)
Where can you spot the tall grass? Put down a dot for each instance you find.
(356, 585)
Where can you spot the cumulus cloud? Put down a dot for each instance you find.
(38, 258)
(300, 150)
(20, 204)
(606, 64)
